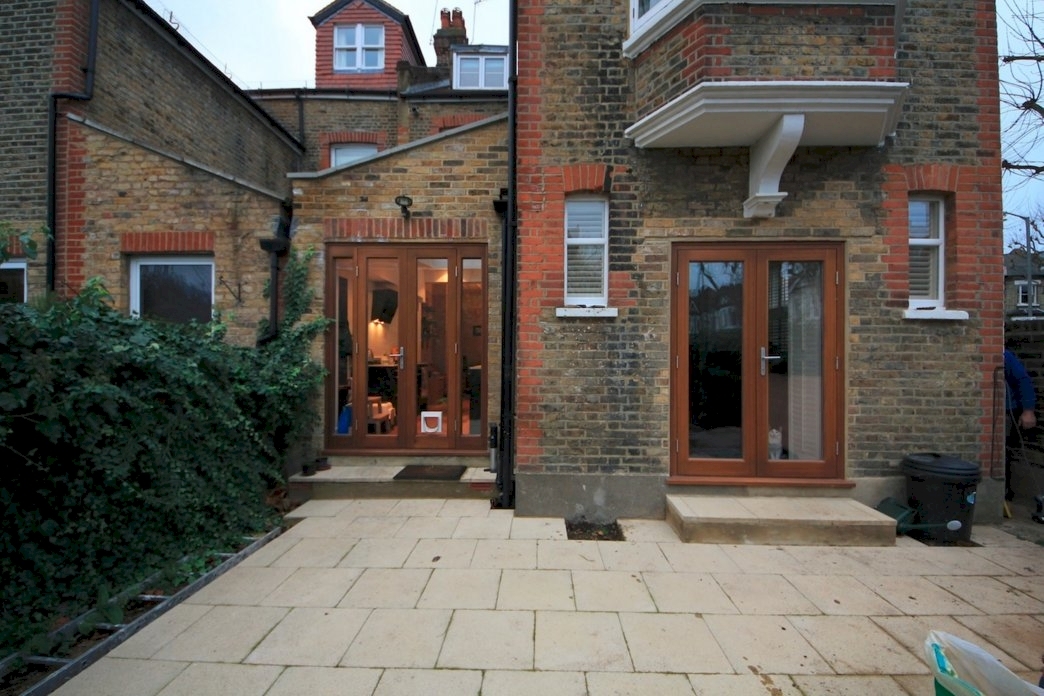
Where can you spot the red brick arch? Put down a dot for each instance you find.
(166, 242)
(586, 178)
(445, 123)
(933, 177)
(344, 137)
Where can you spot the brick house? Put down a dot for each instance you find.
(752, 246)
(154, 171)
(175, 191)
(735, 246)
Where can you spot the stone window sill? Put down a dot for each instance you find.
(586, 312)
(935, 314)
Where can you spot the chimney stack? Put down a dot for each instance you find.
(452, 32)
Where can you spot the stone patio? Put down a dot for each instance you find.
(446, 596)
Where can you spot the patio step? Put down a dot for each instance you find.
(374, 477)
(797, 521)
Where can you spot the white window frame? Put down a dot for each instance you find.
(187, 260)
(937, 219)
(342, 154)
(933, 307)
(1030, 291)
(483, 72)
(348, 37)
(601, 299)
(24, 267)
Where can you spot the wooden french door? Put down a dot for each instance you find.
(756, 373)
(407, 348)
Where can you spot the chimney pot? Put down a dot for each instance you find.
(452, 33)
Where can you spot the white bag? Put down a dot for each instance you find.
(965, 669)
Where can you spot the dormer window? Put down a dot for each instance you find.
(479, 71)
(359, 47)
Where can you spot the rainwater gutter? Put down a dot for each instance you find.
(509, 293)
(52, 137)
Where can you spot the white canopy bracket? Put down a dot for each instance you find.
(768, 157)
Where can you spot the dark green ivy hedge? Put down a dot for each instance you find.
(126, 445)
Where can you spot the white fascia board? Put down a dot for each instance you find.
(739, 113)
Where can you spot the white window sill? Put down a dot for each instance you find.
(589, 312)
(935, 314)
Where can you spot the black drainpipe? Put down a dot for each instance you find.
(509, 295)
(277, 247)
(302, 135)
(52, 136)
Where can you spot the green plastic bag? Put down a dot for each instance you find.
(961, 668)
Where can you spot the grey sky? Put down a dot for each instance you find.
(271, 43)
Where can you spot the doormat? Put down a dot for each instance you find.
(430, 472)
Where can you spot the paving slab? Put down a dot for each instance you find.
(113, 676)
(309, 636)
(580, 641)
(516, 683)
(406, 638)
(489, 640)
(537, 589)
(461, 588)
(325, 681)
(219, 680)
(223, 634)
(387, 588)
(675, 643)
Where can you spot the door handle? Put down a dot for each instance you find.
(400, 356)
(765, 357)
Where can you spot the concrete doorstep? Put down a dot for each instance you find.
(799, 521)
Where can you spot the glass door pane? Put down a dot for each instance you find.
(432, 345)
(407, 350)
(715, 350)
(472, 346)
(385, 356)
(344, 316)
(757, 386)
(793, 360)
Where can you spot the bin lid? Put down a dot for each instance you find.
(942, 465)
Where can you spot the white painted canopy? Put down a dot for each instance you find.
(773, 118)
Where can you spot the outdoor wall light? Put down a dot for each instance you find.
(404, 202)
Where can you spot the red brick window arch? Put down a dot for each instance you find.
(440, 124)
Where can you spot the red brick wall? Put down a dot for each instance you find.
(453, 181)
(140, 202)
(192, 113)
(593, 394)
(70, 242)
(768, 42)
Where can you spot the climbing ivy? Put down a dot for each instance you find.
(127, 444)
